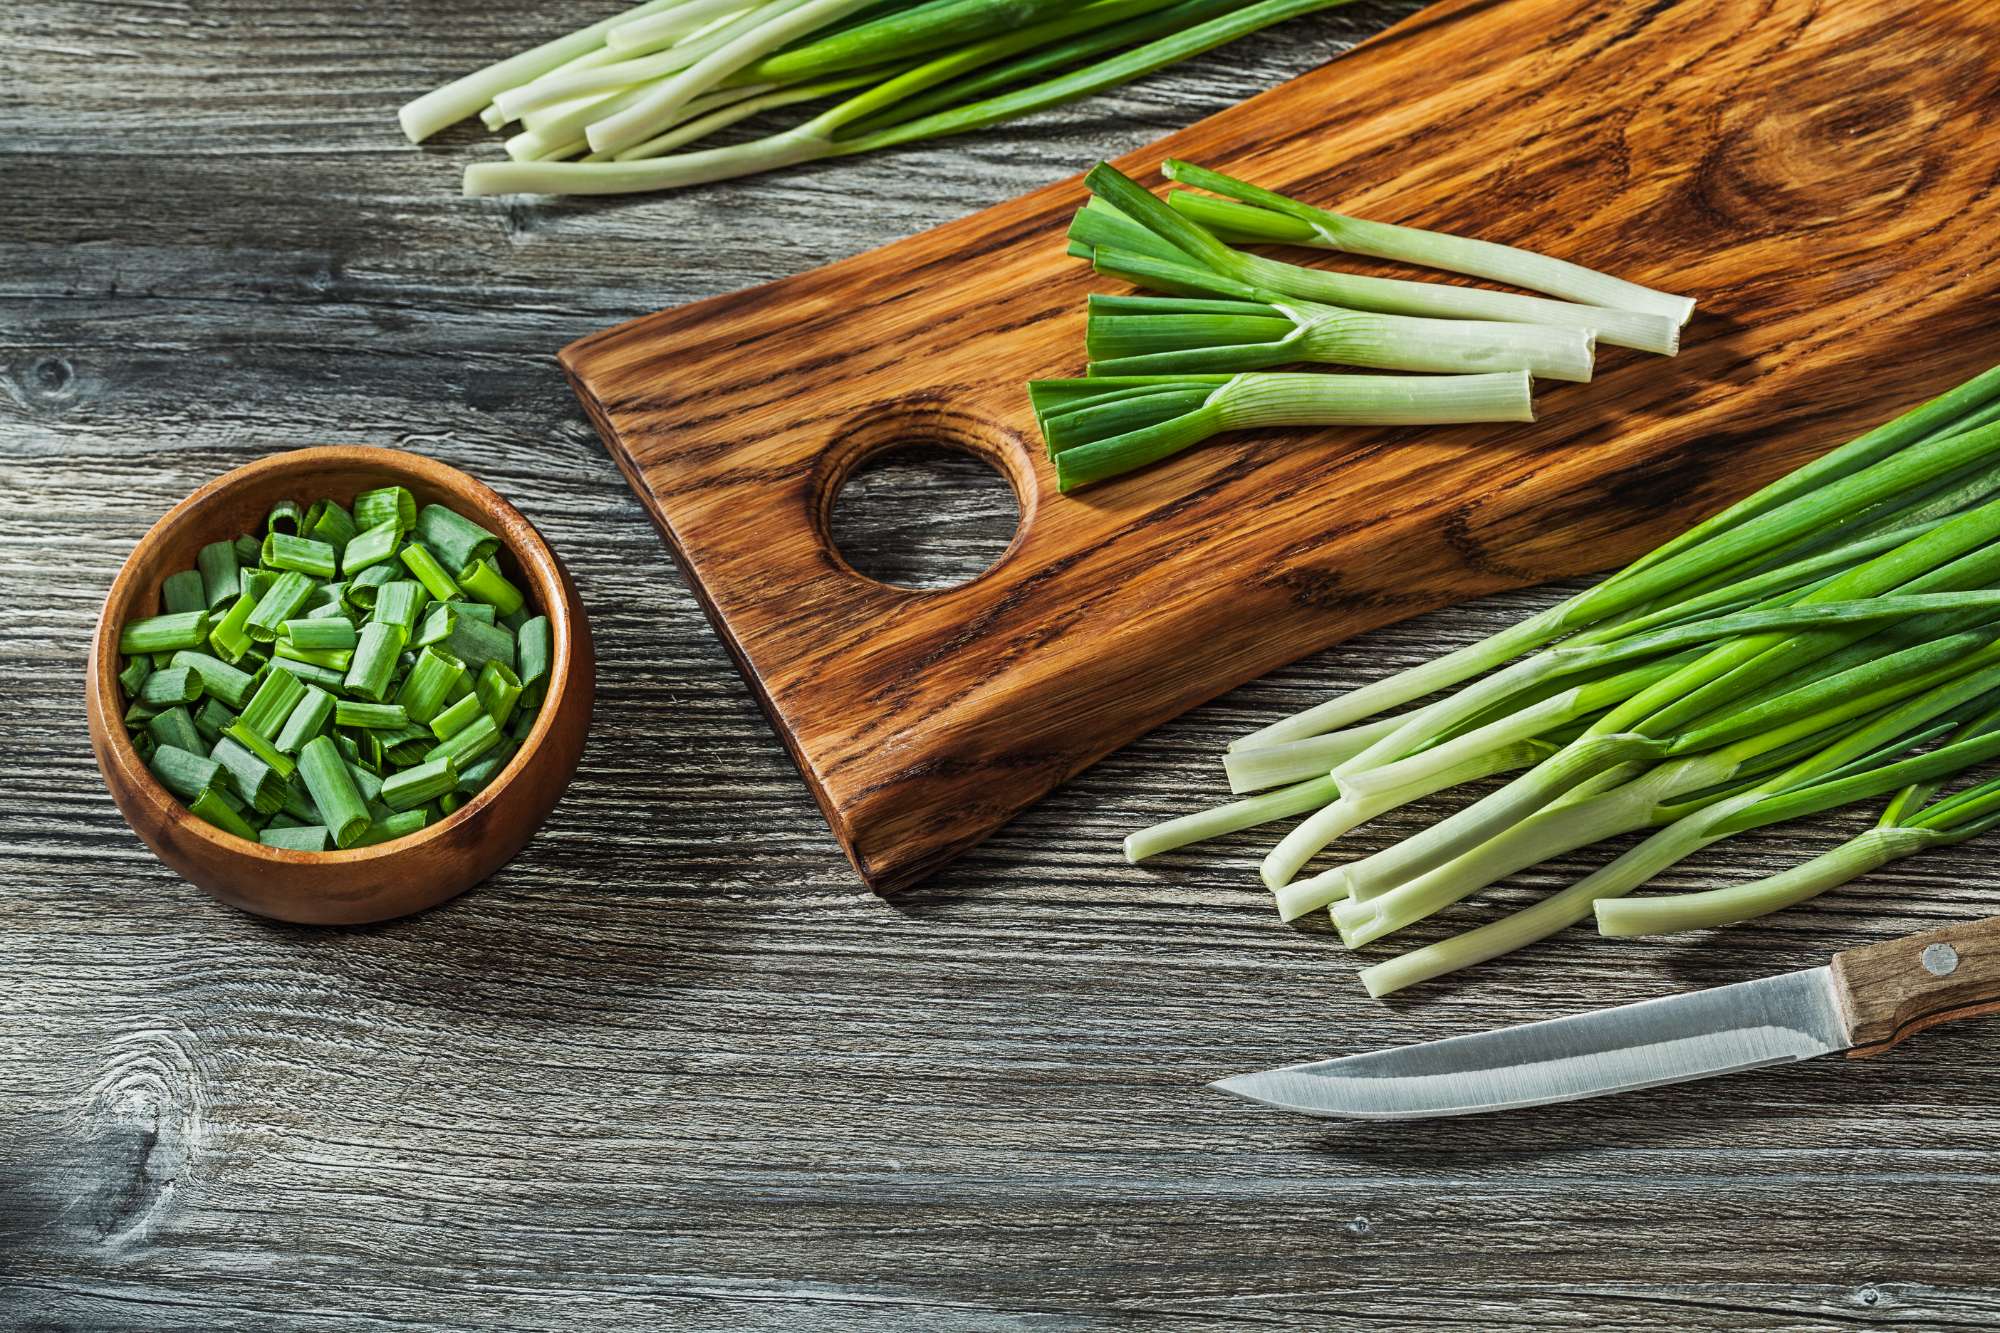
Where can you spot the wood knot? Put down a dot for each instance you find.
(141, 1129)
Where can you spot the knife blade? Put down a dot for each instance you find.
(1863, 1002)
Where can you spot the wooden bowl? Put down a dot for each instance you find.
(365, 883)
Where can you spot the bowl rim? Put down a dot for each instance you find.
(531, 552)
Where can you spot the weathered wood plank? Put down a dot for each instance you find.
(671, 1068)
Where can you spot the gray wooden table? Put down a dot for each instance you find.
(672, 1068)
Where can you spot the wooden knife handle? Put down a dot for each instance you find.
(1898, 989)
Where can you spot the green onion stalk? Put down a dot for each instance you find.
(1126, 224)
(1247, 214)
(1095, 429)
(608, 109)
(1805, 653)
(1152, 335)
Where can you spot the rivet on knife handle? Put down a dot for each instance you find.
(1892, 991)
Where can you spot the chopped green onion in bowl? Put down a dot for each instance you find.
(302, 703)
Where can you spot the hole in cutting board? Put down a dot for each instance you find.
(924, 515)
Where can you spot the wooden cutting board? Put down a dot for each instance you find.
(1823, 174)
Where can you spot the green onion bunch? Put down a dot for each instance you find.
(1169, 370)
(630, 103)
(1833, 638)
(334, 683)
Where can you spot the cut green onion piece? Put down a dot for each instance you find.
(382, 716)
(302, 554)
(534, 644)
(497, 690)
(229, 638)
(398, 603)
(164, 634)
(416, 786)
(183, 772)
(183, 592)
(369, 547)
(340, 806)
(328, 659)
(326, 678)
(218, 567)
(418, 559)
(275, 698)
(280, 763)
(218, 678)
(361, 590)
(374, 661)
(211, 806)
(484, 581)
(256, 783)
(456, 718)
(399, 825)
(175, 727)
(428, 682)
(280, 602)
(164, 689)
(134, 675)
(386, 506)
(302, 838)
(284, 517)
(319, 632)
(454, 539)
(332, 525)
(306, 720)
(467, 743)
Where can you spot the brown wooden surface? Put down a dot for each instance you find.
(1891, 995)
(360, 884)
(1813, 172)
(671, 1068)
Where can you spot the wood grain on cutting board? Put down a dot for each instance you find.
(1821, 175)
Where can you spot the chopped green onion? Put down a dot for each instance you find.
(164, 689)
(469, 742)
(420, 562)
(280, 602)
(283, 517)
(398, 603)
(302, 554)
(217, 565)
(341, 809)
(497, 690)
(164, 634)
(175, 727)
(388, 505)
(218, 678)
(280, 763)
(268, 709)
(328, 659)
(428, 682)
(419, 785)
(213, 807)
(361, 591)
(134, 675)
(256, 783)
(484, 581)
(183, 772)
(535, 645)
(306, 720)
(213, 718)
(332, 525)
(319, 632)
(374, 663)
(390, 828)
(456, 718)
(369, 547)
(249, 550)
(384, 716)
(454, 539)
(302, 838)
(183, 592)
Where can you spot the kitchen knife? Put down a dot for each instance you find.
(1863, 1003)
